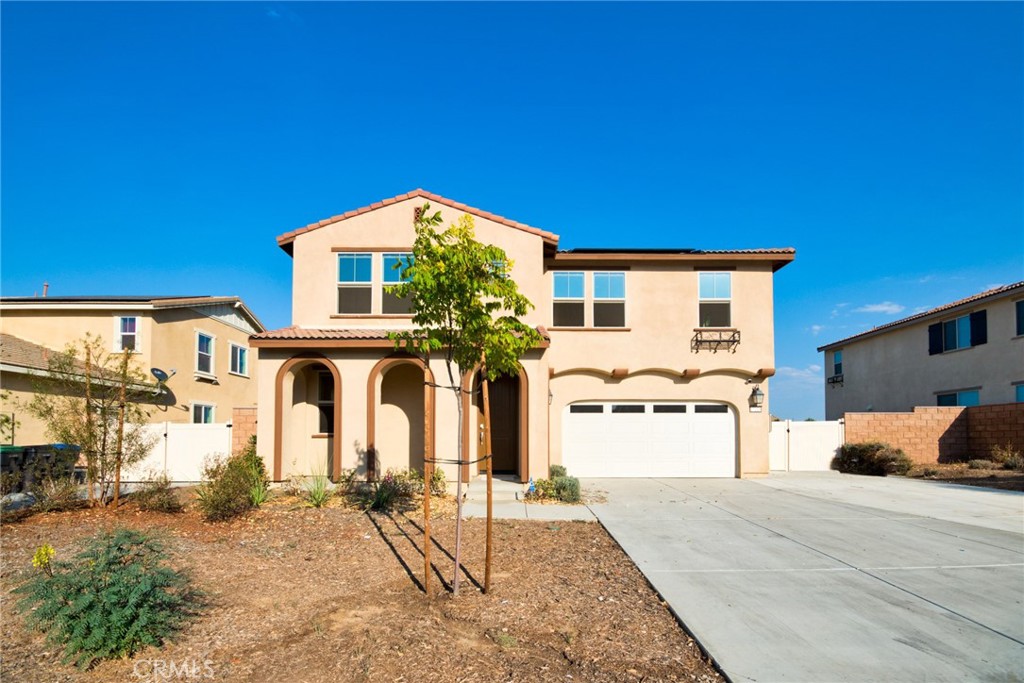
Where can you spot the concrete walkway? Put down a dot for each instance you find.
(508, 503)
(830, 577)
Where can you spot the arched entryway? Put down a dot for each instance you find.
(401, 403)
(509, 424)
(307, 417)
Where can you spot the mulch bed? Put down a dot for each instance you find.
(300, 594)
(959, 473)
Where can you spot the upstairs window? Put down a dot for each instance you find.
(239, 360)
(204, 353)
(609, 299)
(1020, 317)
(715, 294)
(958, 333)
(837, 363)
(394, 268)
(355, 274)
(568, 296)
(127, 336)
(958, 398)
(1019, 393)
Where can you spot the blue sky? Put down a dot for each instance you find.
(160, 148)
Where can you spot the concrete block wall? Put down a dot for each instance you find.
(243, 421)
(927, 435)
(995, 425)
(942, 434)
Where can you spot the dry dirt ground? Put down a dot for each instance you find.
(959, 473)
(302, 594)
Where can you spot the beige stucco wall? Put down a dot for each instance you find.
(893, 372)
(167, 341)
(17, 393)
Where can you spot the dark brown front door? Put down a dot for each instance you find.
(504, 393)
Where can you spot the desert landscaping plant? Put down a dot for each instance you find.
(872, 458)
(157, 495)
(1003, 453)
(226, 491)
(318, 490)
(118, 596)
(979, 464)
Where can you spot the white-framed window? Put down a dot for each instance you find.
(609, 299)
(203, 413)
(205, 353)
(715, 300)
(967, 397)
(837, 362)
(961, 332)
(126, 333)
(239, 360)
(394, 265)
(567, 292)
(355, 281)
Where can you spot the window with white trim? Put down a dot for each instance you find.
(126, 337)
(568, 299)
(203, 413)
(962, 332)
(204, 353)
(395, 265)
(715, 300)
(958, 398)
(837, 362)
(609, 299)
(355, 278)
(239, 360)
(325, 402)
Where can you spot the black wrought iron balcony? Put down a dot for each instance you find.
(715, 339)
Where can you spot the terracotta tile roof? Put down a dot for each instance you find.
(17, 351)
(287, 238)
(294, 332)
(998, 291)
(769, 250)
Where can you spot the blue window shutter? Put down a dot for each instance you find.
(979, 328)
(934, 339)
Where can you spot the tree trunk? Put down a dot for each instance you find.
(428, 475)
(90, 439)
(458, 490)
(490, 474)
(120, 429)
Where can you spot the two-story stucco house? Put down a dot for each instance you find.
(202, 343)
(650, 363)
(965, 353)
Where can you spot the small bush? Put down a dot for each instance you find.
(567, 489)
(558, 471)
(929, 472)
(1014, 463)
(54, 494)
(979, 464)
(9, 482)
(156, 495)
(1002, 454)
(872, 458)
(226, 489)
(318, 491)
(117, 597)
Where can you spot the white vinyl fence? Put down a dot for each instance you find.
(180, 449)
(804, 446)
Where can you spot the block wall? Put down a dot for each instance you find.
(243, 422)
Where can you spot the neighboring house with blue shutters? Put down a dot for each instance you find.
(965, 353)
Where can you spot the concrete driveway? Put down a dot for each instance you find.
(830, 577)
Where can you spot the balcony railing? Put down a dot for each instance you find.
(717, 339)
(835, 380)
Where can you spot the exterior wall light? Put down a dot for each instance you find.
(756, 398)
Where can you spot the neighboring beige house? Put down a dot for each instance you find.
(648, 367)
(202, 343)
(965, 353)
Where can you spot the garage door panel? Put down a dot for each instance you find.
(665, 440)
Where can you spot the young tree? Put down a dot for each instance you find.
(93, 399)
(465, 307)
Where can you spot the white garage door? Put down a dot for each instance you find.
(651, 439)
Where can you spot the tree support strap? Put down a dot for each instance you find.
(457, 462)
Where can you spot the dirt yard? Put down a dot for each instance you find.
(959, 473)
(305, 595)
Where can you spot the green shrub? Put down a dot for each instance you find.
(318, 490)
(1014, 463)
(543, 489)
(567, 489)
(558, 471)
(115, 598)
(1002, 454)
(873, 458)
(980, 464)
(156, 495)
(929, 472)
(226, 489)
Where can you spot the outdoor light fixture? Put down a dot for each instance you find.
(756, 397)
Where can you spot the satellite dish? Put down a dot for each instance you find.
(160, 375)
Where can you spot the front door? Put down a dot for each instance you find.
(504, 395)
